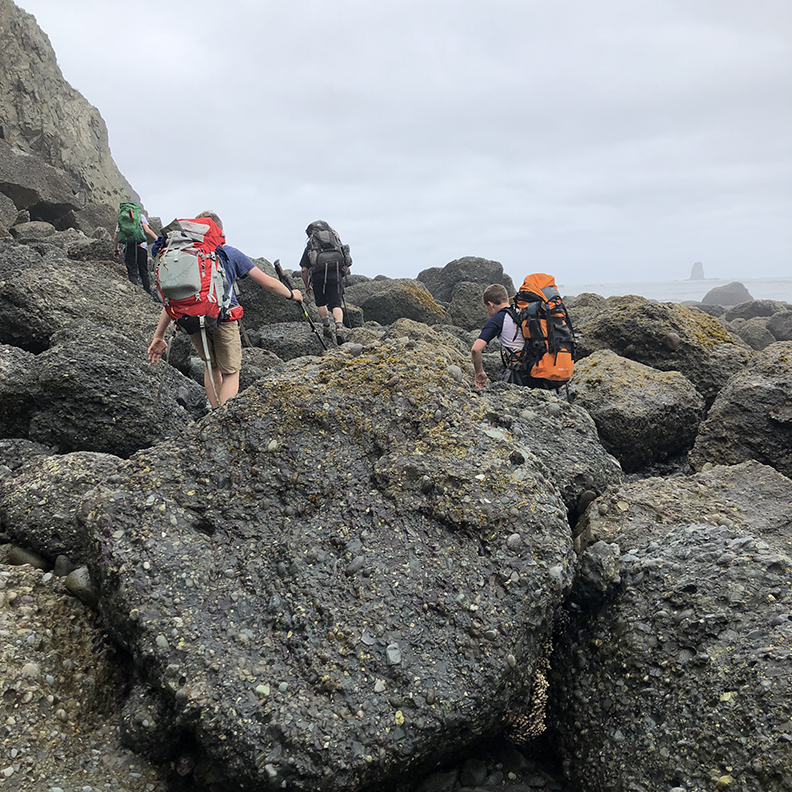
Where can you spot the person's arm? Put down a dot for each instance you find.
(273, 285)
(475, 353)
(115, 243)
(159, 346)
(305, 271)
(149, 232)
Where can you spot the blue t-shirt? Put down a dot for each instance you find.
(237, 267)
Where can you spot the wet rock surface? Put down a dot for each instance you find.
(752, 416)
(356, 604)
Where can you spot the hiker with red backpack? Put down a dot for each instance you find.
(132, 230)
(535, 332)
(195, 276)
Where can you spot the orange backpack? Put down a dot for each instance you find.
(549, 349)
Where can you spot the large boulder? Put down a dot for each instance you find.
(780, 325)
(752, 416)
(746, 497)
(94, 390)
(289, 340)
(47, 193)
(350, 569)
(643, 415)
(754, 332)
(51, 124)
(731, 294)
(15, 452)
(667, 337)
(41, 294)
(466, 308)
(39, 502)
(681, 678)
(16, 366)
(754, 308)
(399, 299)
(442, 281)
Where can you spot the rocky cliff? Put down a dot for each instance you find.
(55, 160)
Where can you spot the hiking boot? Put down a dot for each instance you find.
(327, 331)
(341, 334)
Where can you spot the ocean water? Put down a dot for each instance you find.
(684, 290)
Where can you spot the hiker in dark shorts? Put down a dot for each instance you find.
(324, 264)
(136, 256)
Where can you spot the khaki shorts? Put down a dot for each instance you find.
(225, 347)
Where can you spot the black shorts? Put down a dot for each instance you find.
(328, 289)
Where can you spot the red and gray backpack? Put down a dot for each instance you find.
(191, 275)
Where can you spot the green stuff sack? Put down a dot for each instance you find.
(130, 229)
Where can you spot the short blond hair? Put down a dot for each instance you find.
(212, 216)
(496, 294)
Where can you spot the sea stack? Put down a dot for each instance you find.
(697, 273)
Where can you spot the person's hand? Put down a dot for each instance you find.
(296, 295)
(309, 290)
(115, 252)
(157, 349)
(481, 379)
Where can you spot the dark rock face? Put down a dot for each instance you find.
(39, 501)
(95, 391)
(15, 452)
(331, 594)
(667, 337)
(752, 416)
(642, 415)
(442, 281)
(731, 294)
(40, 294)
(289, 340)
(684, 678)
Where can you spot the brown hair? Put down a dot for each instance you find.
(495, 294)
(212, 216)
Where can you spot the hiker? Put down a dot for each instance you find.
(535, 332)
(131, 230)
(324, 264)
(221, 376)
(500, 325)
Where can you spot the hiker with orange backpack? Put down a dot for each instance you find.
(535, 332)
(195, 278)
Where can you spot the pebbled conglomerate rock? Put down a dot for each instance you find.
(683, 678)
(349, 569)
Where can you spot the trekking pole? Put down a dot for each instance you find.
(284, 279)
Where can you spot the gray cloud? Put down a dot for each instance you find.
(600, 141)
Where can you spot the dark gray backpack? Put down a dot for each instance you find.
(325, 249)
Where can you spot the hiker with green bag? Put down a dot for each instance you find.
(132, 228)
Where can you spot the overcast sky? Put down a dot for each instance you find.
(615, 140)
